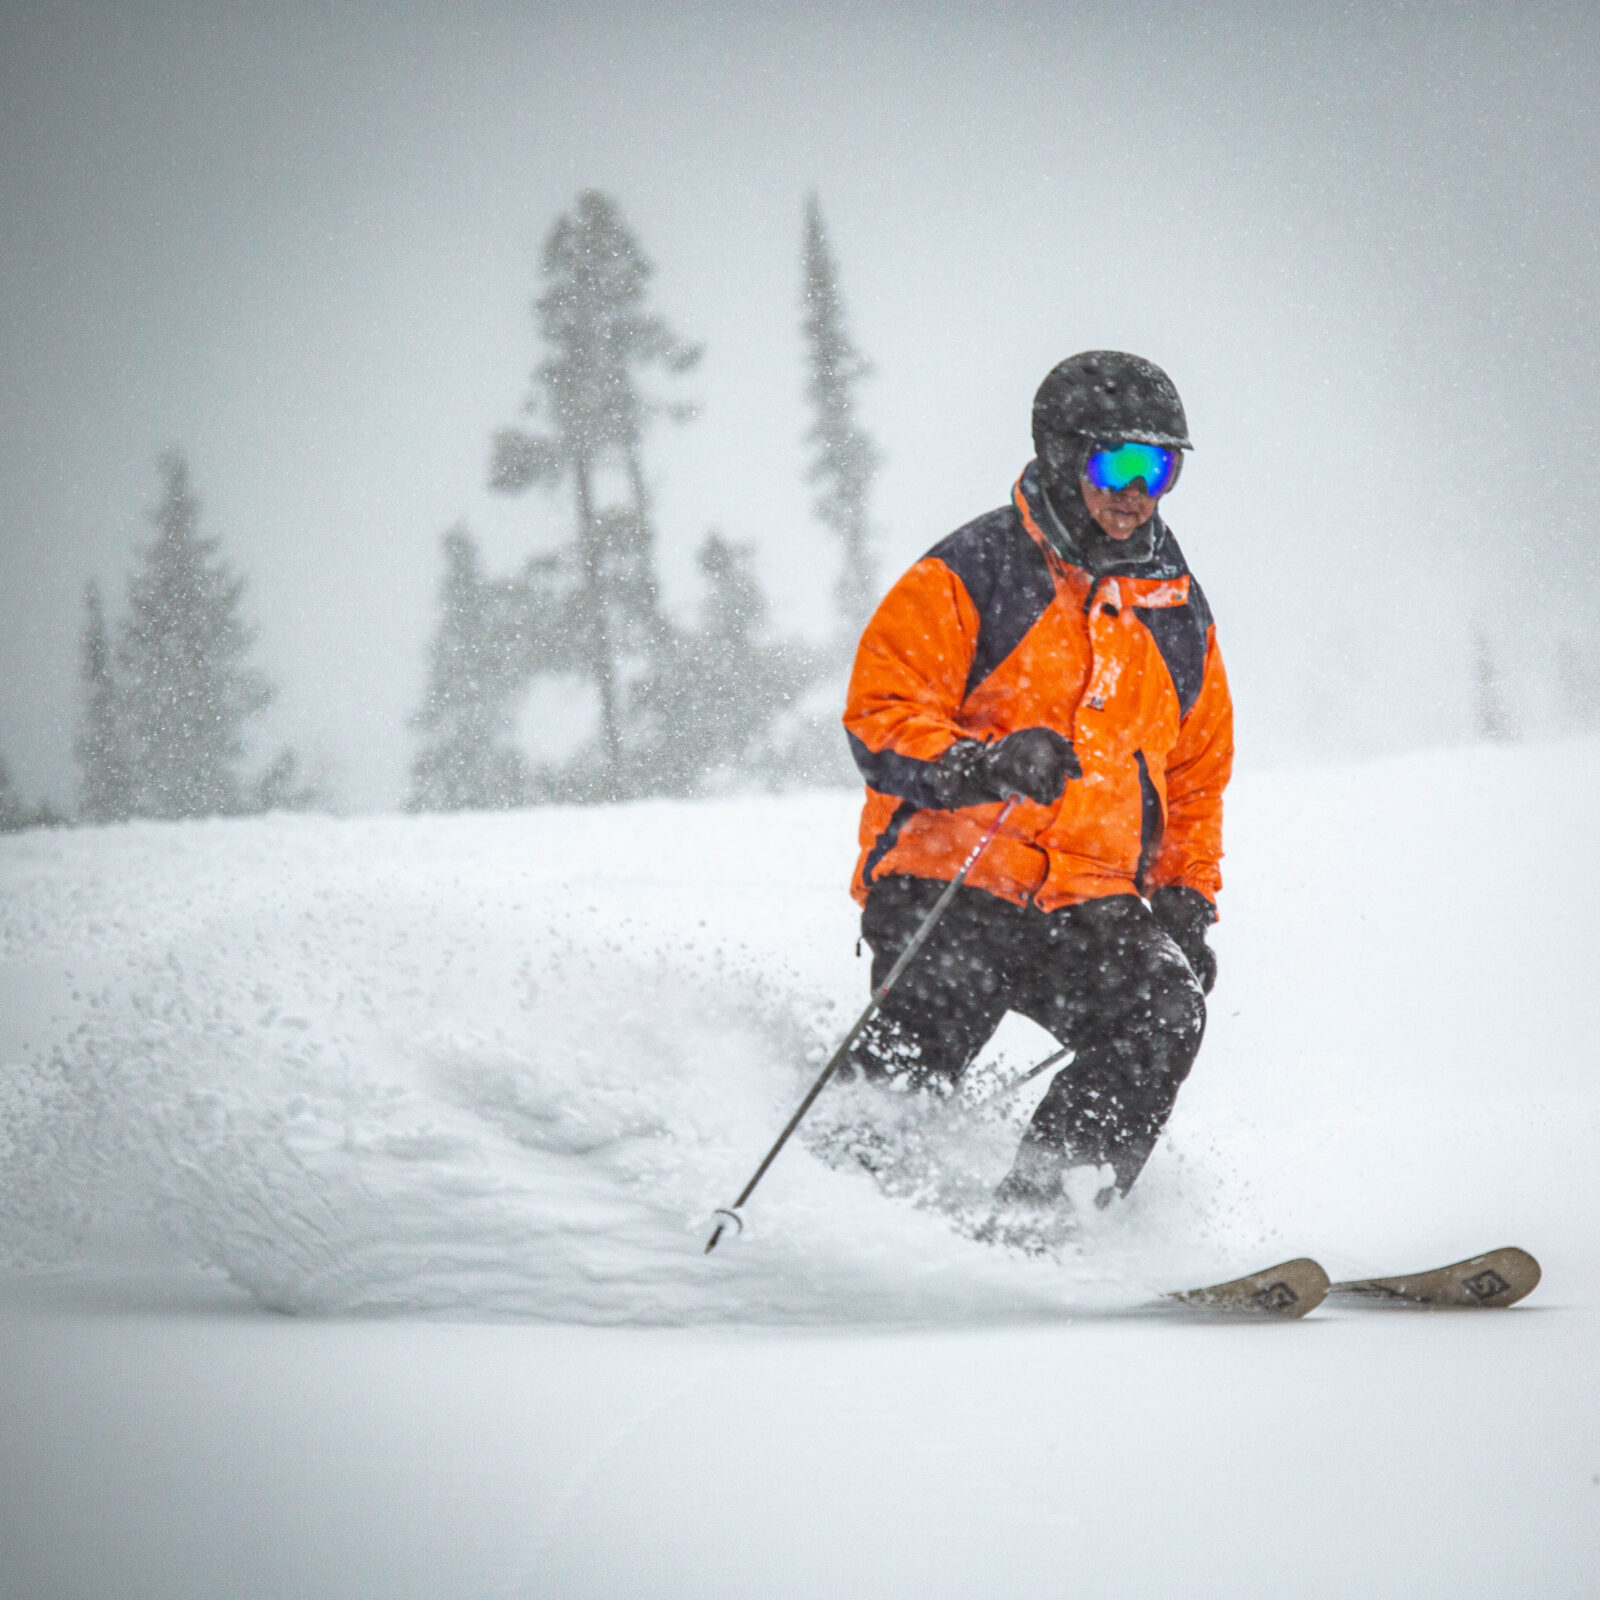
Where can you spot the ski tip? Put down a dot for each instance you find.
(1528, 1265)
(1284, 1292)
(1490, 1282)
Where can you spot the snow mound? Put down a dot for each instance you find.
(469, 1066)
(510, 1065)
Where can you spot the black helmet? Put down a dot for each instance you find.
(1105, 396)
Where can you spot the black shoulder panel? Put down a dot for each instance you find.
(1006, 575)
(1152, 824)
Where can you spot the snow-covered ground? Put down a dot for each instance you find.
(459, 1094)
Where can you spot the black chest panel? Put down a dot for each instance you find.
(1180, 635)
(1006, 575)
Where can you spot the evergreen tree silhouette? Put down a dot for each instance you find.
(1491, 713)
(184, 692)
(845, 460)
(720, 701)
(480, 657)
(14, 815)
(104, 781)
(600, 336)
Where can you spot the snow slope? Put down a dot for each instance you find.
(498, 1070)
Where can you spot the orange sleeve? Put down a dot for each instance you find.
(910, 673)
(1197, 772)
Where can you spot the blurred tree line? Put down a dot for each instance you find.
(16, 814)
(675, 707)
(168, 692)
(671, 707)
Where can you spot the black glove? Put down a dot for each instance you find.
(1036, 762)
(1185, 914)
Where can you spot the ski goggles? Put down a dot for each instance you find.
(1115, 466)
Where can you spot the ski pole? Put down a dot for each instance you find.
(1016, 1083)
(879, 995)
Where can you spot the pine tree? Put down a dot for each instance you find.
(717, 707)
(845, 459)
(478, 662)
(279, 787)
(13, 814)
(1491, 714)
(1578, 687)
(183, 689)
(105, 788)
(592, 317)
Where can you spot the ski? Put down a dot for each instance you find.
(1290, 1289)
(1498, 1278)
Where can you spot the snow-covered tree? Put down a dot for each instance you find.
(478, 663)
(184, 691)
(167, 691)
(1577, 687)
(672, 702)
(718, 705)
(594, 412)
(1491, 711)
(844, 458)
(280, 786)
(104, 782)
(13, 814)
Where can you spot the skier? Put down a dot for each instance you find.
(1058, 649)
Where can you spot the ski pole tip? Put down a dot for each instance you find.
(721, 1228)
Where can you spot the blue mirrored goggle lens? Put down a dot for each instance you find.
(1115, 467)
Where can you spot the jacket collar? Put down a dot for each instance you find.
(1154, 552)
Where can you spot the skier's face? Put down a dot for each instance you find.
(1118, 511)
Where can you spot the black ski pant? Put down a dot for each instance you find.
(1102, 977)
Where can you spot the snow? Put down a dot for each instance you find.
(459, 1095)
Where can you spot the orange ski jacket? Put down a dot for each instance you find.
(993, 631)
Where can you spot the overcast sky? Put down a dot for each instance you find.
(300, 241)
